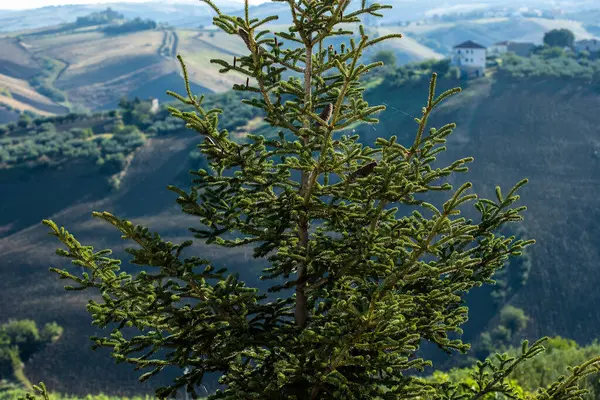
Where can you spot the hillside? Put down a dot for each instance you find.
(540, 127)
(490, 30)
(66, 166)
(77, 66)
(66, 67)
(94, 70)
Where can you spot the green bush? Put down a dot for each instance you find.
(51, 332)
(551, 63)
(82, 133)
(549, 365)
(98, 18)
(559, 38)
(19, 340)
(420, 72)
(48, 146)
(130, 26)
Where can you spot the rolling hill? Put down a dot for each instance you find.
(94, 70)
(66, 67)
(491, 30)
(181, 14)
(543, 129)
(190, 13)
(540, 128)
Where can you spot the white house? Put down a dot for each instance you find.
(591, 45)
(470, 58)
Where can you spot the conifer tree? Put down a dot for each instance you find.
(374, 268)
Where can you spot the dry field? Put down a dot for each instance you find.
(99, 70)
(24, 97)
(16, 61)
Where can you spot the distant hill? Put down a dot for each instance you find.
(418, 10)
(92, 62)
(491, 30)
(190, 14)
(53, 69)
(89, 58)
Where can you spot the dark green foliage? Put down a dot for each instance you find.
(19, 340)
(39, 142)
(44, 80)
(512, 323)
(388, 58)
(559, 38)
(137, 112)
(514, 276)
(134, 25)
(551, 63)
(82, 133)
(416, 73)
(98, 18)
(46, 146)
(24, 120)
(559, 355)
(531, 379)
(514, 319)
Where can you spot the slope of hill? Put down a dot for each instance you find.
(544, 129)
(83, 66)
(24, 97)
(95, 70)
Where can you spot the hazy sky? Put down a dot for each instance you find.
(24, 4)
